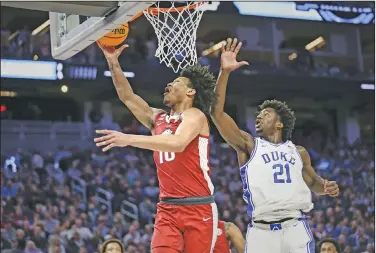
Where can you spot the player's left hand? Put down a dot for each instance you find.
(331, 188)
(229, 53)
(111, 139)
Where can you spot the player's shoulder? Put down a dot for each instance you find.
(303, 154)
(193, 113)
(301, 149)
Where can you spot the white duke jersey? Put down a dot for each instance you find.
(273, 183)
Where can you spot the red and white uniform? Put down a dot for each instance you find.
(183, 174)
(183, 228)
(222, 245)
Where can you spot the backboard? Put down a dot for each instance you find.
(76, 25)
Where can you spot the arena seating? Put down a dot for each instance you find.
(69, 200)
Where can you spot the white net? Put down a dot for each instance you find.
(176, 27)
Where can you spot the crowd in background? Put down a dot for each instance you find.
(42, 212)
(142, 49)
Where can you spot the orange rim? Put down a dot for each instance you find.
(155, 11)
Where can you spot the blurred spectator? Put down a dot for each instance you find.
(47, 210)
(328, 245)
(31, 248)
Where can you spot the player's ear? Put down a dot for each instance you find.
(191, 92)
(279, 125)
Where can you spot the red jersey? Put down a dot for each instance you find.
(182, 174)
(222, 245)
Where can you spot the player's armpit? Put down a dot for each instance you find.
(313, 181)
(235, 236)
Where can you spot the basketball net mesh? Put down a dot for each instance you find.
(176, 29)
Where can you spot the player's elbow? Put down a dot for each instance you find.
(178, 144)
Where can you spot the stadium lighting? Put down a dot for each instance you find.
(64, 89)
(320, 41)
(366, 86)
(41, 27)
(292, 56)
(107, 73)
(213, 48)
(13, 35)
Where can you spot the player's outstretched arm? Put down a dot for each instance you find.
(224, 123)
(140, 109)
(191, 126)
(316, 183)
(235, 236)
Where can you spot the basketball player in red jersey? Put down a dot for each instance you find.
(228, 233)
(186, 219)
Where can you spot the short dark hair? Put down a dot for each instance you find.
(330, 240)
(104, 245)
(285, 114)
(204, 83)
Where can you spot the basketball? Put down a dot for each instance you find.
(115, 37)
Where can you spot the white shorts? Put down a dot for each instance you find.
(292, 236)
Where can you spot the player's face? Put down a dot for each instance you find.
(113, 247)
(267, 122)
(328, 247)
(177, 91)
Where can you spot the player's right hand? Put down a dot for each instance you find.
(229, 53)
(112, 53)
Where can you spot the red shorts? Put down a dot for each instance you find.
(188, 229)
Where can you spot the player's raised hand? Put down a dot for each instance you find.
(112, 52)
(229, 53)
(111, 139)
(331, 188)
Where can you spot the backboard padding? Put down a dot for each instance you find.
(68, 37)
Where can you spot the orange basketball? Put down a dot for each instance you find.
(115, 37)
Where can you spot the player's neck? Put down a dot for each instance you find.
(275, 138)
(179, 108)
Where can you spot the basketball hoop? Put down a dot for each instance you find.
(175, 27)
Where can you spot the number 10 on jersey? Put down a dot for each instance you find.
(166, 157)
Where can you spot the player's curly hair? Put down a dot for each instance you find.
(104, 245)
(285, 114)
(204, 83)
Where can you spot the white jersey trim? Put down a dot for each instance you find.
(215, 225)
(203, 154)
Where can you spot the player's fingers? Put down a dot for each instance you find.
(99, 45)
(105, 142)
(334, 194)
(237, 49)
(103, 138)
(120, 49)
(233, 45)
(228, 45)
(108, 147)
(242, 63)
(331, 190)
(223, 46)
(330, 183)
(105, 131)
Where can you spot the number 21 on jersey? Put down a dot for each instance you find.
(281, 174)
(166, 157)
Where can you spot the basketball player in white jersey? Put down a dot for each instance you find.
(277, 175)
